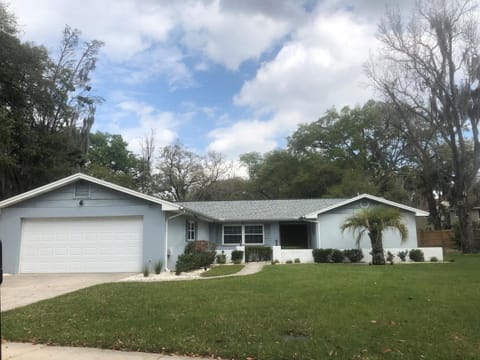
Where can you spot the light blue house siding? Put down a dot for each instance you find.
(61, 203)
(330, 236)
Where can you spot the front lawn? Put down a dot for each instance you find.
(221, 270)
(308, 311)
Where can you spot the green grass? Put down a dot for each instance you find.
(339, 311)
(221, 270)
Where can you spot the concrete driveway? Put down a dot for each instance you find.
(23, 289)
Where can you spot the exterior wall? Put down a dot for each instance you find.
(330, 235)
(177, 237)
(306, 256)
(60, 203)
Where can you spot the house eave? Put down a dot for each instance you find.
(166, 205)
(417, 212)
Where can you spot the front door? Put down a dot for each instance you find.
(294, 236)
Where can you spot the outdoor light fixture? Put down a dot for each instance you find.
(80, 203)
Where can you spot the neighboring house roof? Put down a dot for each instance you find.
(166, 205)
(279, 210)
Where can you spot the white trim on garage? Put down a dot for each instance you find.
(81, 245)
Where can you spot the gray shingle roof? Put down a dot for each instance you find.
(244, 210)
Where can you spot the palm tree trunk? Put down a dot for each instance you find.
(378, 257)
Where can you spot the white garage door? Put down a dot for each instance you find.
(74, 245)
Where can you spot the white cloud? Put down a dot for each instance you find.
(252, 135)
(229, 37)
(320, 67)
(145, 119)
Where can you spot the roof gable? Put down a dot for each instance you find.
(166, 205)
(418, 212)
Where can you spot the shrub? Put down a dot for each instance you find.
(146, 270)
(158, 267)
(433, 259)
(197, 254)
(274, 262)
(185, 262)
(416, 255)
(354, 255)
(403, 255)
(258, 253)
(337, 256)
(221, 258)
(297, 261)
(237, 256)
(289, 262)
(322, 255)
(199, 246)
(390, 257)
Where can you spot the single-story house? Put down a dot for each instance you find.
(83, 224)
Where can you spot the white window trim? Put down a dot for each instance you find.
(243, 235)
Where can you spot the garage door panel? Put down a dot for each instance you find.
(111, 244)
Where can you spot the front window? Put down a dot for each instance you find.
(243, 234)
(232, 234)
(253, 234)
(191, 230)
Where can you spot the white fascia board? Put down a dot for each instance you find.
(166, 205)
(418, 212)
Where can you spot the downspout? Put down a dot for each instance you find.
(166, 236)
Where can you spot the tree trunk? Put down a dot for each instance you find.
(378, 257)
(466, 229)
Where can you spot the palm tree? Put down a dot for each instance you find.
(374, 221)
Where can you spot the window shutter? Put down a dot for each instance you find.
(186, 230)
(196, 230)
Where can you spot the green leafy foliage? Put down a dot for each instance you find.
(322, 255)
(258, 253)
(197, 254)
(237, 256)
(354, 255)
(374, 221)
(337, 256)
(416, 255)
(46, 109)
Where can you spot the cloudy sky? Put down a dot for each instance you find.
(232, 76)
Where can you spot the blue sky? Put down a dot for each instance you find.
(231, 76)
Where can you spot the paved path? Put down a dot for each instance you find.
(248, 269)
(23, 289)
(25, 351)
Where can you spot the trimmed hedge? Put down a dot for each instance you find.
(258, 253)
(322, 255)
(336, 255)
(416, 255)
(237, 256)
(354, 255)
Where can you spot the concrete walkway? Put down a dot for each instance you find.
(248, 269)
(25, 351)
(24, 289)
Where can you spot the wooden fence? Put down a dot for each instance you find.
(437, 238)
